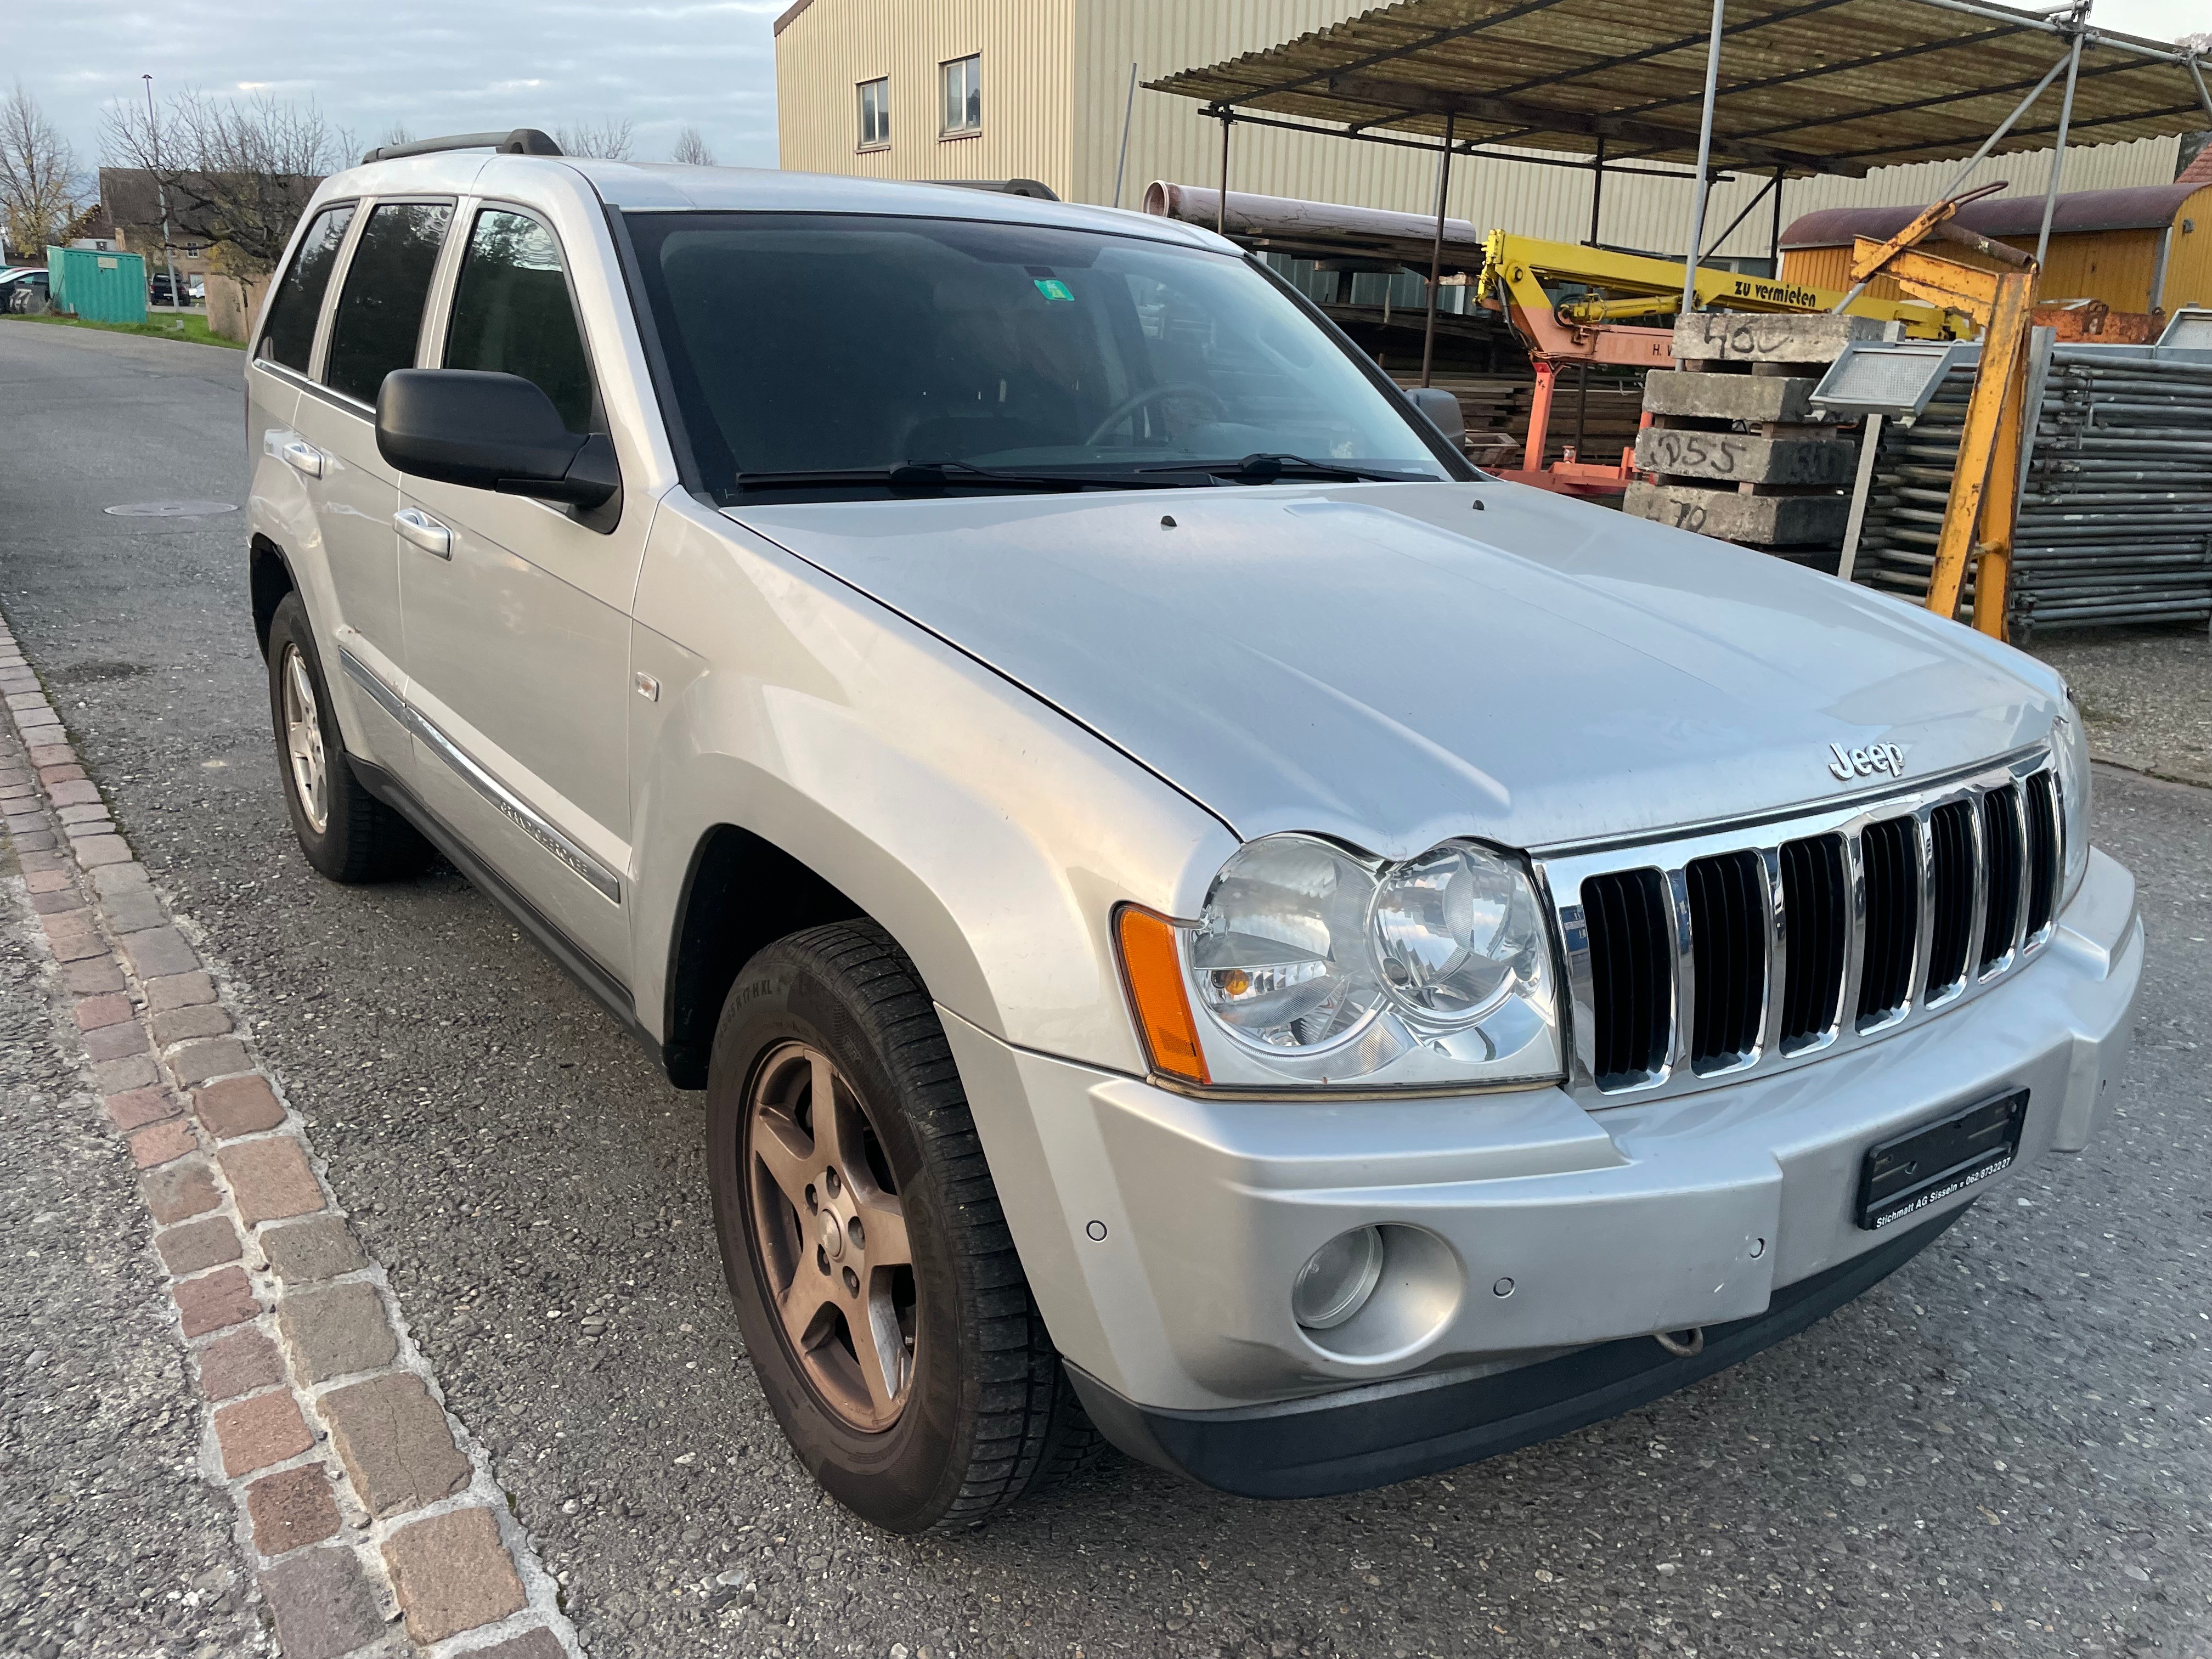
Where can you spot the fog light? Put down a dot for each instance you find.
(1338, 1278)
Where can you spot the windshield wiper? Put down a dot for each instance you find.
(923, 477)
(1266, 468)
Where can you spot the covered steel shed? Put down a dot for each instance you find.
(2148, 248)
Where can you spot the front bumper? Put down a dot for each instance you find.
(1161, 1233)
(1348, 1441)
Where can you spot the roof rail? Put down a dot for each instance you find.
(522, 141)
(1029, 187)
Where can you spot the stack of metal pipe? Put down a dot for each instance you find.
(2116, 509)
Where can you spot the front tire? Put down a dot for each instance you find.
(347, 833)
(876, 1282)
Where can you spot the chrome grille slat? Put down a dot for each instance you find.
(1725, 952)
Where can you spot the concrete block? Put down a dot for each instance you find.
(1742, 336)
(1739, 457)
(1729, 397)
(1766, 521)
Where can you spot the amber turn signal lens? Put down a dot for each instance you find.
(1157, 992)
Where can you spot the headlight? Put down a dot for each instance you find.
(2069, 752)
(1313, 966)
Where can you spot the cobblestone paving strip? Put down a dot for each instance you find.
(370, 1514)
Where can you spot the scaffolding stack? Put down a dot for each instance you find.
(2116, 509)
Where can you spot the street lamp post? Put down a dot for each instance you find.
(154, 132)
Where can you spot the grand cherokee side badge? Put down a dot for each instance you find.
(1847, 764)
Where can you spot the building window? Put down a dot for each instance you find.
(964, 97)
(875, 113)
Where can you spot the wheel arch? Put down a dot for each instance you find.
(741, 893)
(269, 573)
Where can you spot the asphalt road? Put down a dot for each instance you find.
(2002, 1450)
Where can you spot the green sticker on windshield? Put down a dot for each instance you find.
(1052, 288)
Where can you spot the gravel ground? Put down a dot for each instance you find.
(2146, 695)
(110, 1541)
(2000, 1450)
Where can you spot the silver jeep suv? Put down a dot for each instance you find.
(1201, 920)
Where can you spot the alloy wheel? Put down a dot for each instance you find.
(830, 1235)
(303, 742)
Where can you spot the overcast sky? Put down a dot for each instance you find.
(432, 66)
(436, 66)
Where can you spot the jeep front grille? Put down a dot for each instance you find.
(1725, 952)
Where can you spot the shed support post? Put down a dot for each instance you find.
(1774, 238)
(2058, 151)
(1128, 109)
(1221, 207)
(1705, 158)
(1597, 191)
(1436, 252)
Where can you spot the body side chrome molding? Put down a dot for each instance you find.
(606, 881)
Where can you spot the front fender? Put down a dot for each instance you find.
(991, 835)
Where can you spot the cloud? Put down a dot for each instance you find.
(429, 65)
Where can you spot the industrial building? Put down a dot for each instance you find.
(1047, 89)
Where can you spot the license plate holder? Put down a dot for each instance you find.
(1923, 1166)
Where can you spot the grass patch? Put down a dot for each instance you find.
(189, 326)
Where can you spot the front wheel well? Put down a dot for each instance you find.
(741, 894)
(270, 579)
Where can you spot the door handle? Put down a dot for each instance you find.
(425, 532)
(302, 456)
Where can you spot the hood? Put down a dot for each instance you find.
(1390, 664)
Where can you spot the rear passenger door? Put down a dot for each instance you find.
(375, 327)
(518, 628)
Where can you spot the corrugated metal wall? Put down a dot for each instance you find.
(1027, 47)
(1060, 118)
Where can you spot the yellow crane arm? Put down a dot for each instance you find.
(1516, 269)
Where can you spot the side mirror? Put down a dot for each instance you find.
(1443, 411)
(489, 431)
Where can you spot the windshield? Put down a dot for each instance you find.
(944, 350)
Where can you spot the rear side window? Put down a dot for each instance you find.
(380, 312)
(512, 313)
(290, 336)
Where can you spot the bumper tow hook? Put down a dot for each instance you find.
(1681, 1344)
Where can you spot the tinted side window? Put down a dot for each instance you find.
(290, 336)
(512, 313)
(380, 312)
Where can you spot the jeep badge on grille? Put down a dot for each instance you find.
(1847, 764)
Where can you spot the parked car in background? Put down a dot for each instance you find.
(1199, 917)
(159, 292)
(23, 290)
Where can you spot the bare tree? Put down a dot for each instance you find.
(692, 150)
(608, 140)
(396, 133)
(238, 171)
(40, 188)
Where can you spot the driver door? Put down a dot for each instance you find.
(517, 618)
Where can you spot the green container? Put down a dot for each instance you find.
(100, 288)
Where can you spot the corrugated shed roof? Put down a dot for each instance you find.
(1817, 86)
(2199, 170)
(2142, 207)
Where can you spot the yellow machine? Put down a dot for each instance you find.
(1995, 286)
(1523, 270)
(1518, 278)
